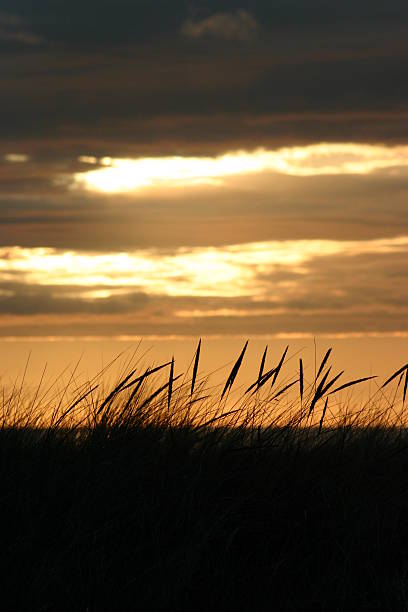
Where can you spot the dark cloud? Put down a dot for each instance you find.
(99, 22)
(14, 32)
(117, 21)
(204, 104)
(22, 299)
(119, 77)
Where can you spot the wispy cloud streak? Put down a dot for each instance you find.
(237, 25)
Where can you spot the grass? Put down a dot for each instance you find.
(165, 493)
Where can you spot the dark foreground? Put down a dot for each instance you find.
(176, 497)
(156, 518)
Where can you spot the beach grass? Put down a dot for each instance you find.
(164, 492)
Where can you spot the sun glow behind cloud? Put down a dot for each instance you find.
(230, 271)
(16, 158)
(131, 175)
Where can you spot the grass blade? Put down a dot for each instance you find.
(319, 390)
(285, 389)
(324, 361)
(405, 386)
(261, 368)
(323, 415)
(332, 382)
(234, 371)
(301, 379)
(122, 385)
(148, 372)
(112, 394)
(74, 405)
(400, 380)
(199, 399)
(313, 403)
(279, 366)
(318, 394)
(217, 418)
(171, 378)
(260, 382)
(352, 382)
(136, 389)
(195, 368)
(156, 393)
(397, 373)
(265, 378)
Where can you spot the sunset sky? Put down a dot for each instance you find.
(203, 168)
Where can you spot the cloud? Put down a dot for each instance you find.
(335, 83)
(132, 175)
(238, 25)
(16, 158)
(19, 298)
(226, 272)
(350, 287)
(14, 29)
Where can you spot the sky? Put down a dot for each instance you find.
(203, 168)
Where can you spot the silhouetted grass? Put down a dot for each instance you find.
(163, 493)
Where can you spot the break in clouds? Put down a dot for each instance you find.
(299, 240)
(297, 286)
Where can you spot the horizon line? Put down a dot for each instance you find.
(181, 337)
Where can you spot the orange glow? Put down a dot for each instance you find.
(230, 271)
